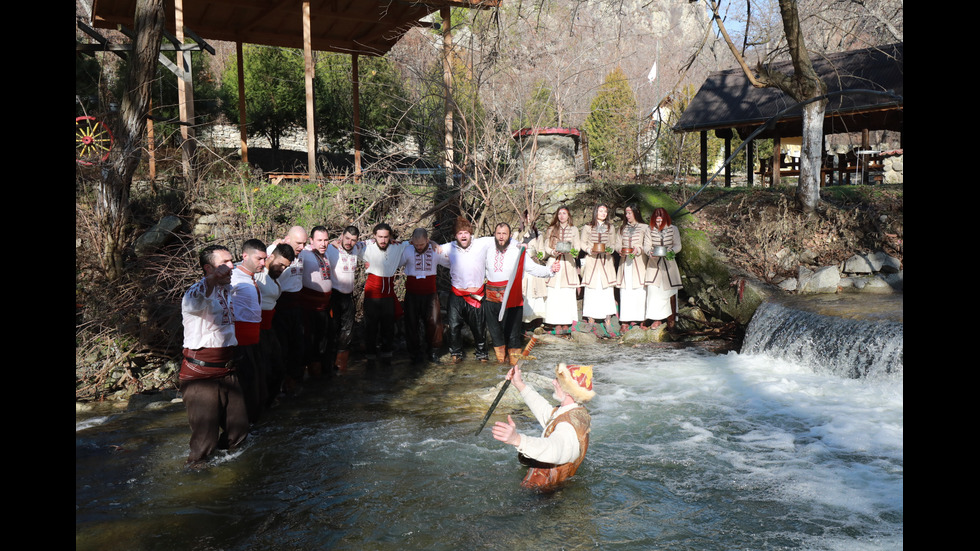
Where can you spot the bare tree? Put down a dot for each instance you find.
(112, 206)
(804, 85)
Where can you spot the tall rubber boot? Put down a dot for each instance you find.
(500, 352)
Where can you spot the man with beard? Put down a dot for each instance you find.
(558, 452)
(271, 350)
(467, 270)
(245, 296)
(208, 381)
(288, 322)
(343, 261)
(421, 299)
(506, 260)
(315, 301)
(381, 259)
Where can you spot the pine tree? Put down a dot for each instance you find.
(612, 125)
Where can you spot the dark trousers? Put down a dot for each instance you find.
(379, 324)
(288, 325)
(251, 372)
(317, 334)
(213, 406)
(507, 332)
(342, 306)
(275, 365)
(459, 312)
(423, 324)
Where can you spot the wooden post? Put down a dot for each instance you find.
(777, 160)
(447, 75)
(151, 145)
(356, 92)
(308, 71)
(242, 123)
(185, 97)
(749, 163)
(704, 157)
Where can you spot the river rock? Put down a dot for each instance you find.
(157, 236)
(875, 262)
(823, 280)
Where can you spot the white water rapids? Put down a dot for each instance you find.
(689, 450)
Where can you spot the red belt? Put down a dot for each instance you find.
(379, 286)
(496, 290)
(468, 295)
(420, 286)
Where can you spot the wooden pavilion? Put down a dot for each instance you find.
(355, 27)
(865, 89)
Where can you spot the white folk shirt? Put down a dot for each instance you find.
(383, 263)
(468, 266)
(422, 265)
(291, 280)
(245, 296)
(343, 266)
(269, 289)
(208, 320)
(562, 445)
(501, 265)
(316, 271)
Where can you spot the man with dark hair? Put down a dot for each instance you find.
(467, 259)
(381, 259)
(423, 323)
(315, 300)
(208, 380)
(343, 255)
(245, 296)
(508, 262)
(271, 350)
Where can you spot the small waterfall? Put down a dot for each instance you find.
(844, 346)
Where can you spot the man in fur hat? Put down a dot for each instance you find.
(557, 454)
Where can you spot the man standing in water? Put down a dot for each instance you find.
(506, 260)
(557, 454)
(208, 382)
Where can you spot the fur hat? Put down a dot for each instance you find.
(576, 380)
(463, 224)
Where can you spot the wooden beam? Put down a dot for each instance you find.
(185, 99)
(356, 92)
(242, 123)
(447, 76)
(308, 71)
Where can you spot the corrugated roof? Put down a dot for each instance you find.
(727, 100)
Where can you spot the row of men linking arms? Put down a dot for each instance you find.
(253, 329)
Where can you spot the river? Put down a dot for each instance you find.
(690, 450)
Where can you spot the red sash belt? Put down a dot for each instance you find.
(218, 363)
(247, 332)
(379, 286)
(267, 316)
(465, 293)
(495, 290)
(423, 286)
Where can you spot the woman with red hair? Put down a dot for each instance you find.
(663, 279)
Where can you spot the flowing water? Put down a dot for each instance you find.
(689, 451)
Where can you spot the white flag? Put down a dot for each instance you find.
(653, 73)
